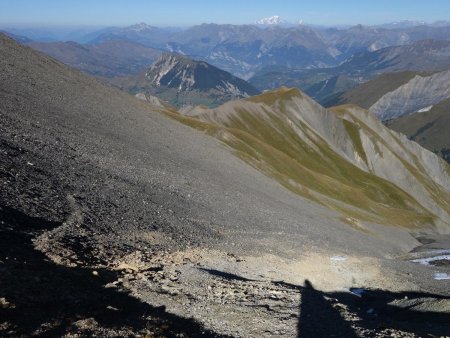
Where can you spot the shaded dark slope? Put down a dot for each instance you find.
(431, 129)
(69, 300)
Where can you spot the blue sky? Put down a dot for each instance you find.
(189, 12)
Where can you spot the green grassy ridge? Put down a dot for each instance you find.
(353, 132)
(278, 95)
(267, 142)
(386, 205)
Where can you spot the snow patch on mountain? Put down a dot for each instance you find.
(272, 20)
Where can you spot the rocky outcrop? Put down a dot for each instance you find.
(184, 74)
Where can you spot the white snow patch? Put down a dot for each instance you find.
(441, 276)
(357, 291)
(273, 20)
(339, 258)
(431, 256)
(428, 260)
(425, 109)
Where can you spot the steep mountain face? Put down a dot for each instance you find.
(183, 81)
(429, 128)
(424, 56)
(413, 103)
(176, 71)
(111, 58)
(129, 223)
(419, 93)
(343, 158)
(366, 94)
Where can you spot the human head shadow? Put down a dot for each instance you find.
(318, 318)
(38, 291)
(377, 310)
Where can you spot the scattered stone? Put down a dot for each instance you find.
(4, 304)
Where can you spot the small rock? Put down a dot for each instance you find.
(4, 304)
(95, 273)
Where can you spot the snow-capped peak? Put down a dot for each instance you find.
(273, 20)
(139, 27)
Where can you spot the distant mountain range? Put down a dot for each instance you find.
(274, 54)
(182, 81)
(327, 84)
(246, 49)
